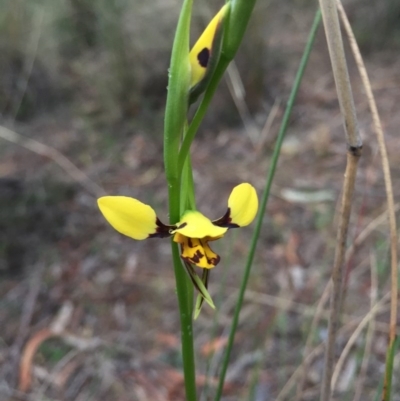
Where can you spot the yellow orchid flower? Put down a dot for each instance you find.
(204, 55)
(193, 232)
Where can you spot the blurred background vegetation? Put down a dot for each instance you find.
(108, 59)
(88, 78)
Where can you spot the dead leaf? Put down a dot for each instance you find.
(25, 369)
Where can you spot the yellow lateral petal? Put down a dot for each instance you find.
(201, 51)
(193, 224)
(243, 204)
(128, 216)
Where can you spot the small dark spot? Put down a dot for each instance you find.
(190, 243)
(181, 226)
(196, 257)
(203, 57)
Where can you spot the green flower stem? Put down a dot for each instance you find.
(188, 199)
(185, 298)
(174, 127)
(265, 196)
(201, 111)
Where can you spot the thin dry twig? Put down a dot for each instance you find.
(53, 378)
(386, 172)
(370, 332)
(268, 125)
(306, 310)
(370, 317)
(319, 348)
(354, 144)
(372, 226)
(238, 93)
(337, 273)
(297, 374)
(307, 349)
(47, 151)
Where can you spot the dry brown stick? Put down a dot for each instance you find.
(340, 72)
(338, 271)
(370, 332)
(386, 172)
(367, 320)
(53, 154)
(354, 144)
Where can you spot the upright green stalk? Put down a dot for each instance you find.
(391, 352)
(271, 173)
(175, 120)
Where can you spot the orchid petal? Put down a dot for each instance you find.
(193, 224)
(243, 205)
(129, 216)
(203, 50)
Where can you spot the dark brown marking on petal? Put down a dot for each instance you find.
(197, 257)
(203, 57)
(181, 226)
(226, 221)
(190, 243)
(214, 261)
(162, 230)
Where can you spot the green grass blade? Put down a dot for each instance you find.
(387, 390)
(271, 173)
